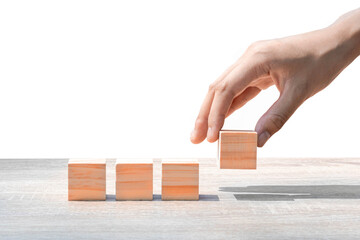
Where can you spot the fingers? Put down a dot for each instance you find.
(220, 106)
(233, 84)
(277, 115)
(242, 99)
(221, 94)
(201, 124)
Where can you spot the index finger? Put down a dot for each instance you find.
(201, 124)
(233, 84)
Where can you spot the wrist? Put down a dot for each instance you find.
(347, 32)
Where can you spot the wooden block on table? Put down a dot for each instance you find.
(86, 179)
(237, 149)
(134, 179)
(180, 180)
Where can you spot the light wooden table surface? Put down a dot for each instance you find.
(282, 199)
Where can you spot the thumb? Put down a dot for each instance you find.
(277, 115)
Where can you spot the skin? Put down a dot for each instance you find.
(299, 66)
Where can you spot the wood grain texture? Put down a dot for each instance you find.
(237, 149)
(86, 179)
(285, 198)
(134, 180)
(180, 180)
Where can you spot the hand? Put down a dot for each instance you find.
(299, 66)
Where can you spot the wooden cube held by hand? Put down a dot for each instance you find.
(237, 149)
(86, 179)
(180, 180)
(134, 179)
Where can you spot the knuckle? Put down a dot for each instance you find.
(278, 121)
(224, 88)
(221, 87)
(216, 121)
(200, 121)
(221, 118)
(261, 50)
(254, 46)
(212, 87)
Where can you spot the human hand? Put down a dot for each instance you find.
(299, 66)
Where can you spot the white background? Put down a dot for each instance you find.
(126, 79)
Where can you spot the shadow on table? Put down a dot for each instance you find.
(157, 197)
(202, 197)
(290, 193)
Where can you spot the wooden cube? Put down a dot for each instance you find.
(134, 179)
(86, 179)
(237, 149)
(180, 180)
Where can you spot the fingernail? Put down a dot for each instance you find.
(209, 133)
(263, 137)
(192, 135)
